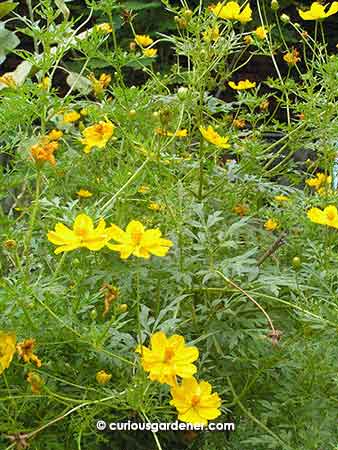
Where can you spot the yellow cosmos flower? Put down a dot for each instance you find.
(54, 135)
(150, 52)
(319, 181)
(84, 193)
(104, 27)
(7, 349)
(71, 116)
(232, 11)
(83, 234)
(211, 34)
(102, 377)
(271, 225)
(281, 198)
(144, 189)
(329, 216)
(261, 33)
(317, 11)
(242, 85)
(138, 242)
(168, 358)
(194, 401)
(25, 350)
(97, 135)
(179, 133)
(143, 40)
(213, 137)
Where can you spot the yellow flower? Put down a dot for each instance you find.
(261, 33)
(71, 116)
(102, 377)
(329, 216)
(248, 40)
(239, 123)
(44, 152)
(194, 401)
(213, 137)
(10, 244)
(143, 189)
(25, 350)
(45, 83)
(84, 193)
(155, 206)
(105, 27)
(150, 52)
(179, 133)
(242, 85)
(292, 58)
(211, 34)
(271, 225)
(167, 358)
(138, 241)
(97, 135)
(319, 181)
(281, 198)
(54, 135)
(232, 11)
(317, 11)
(143, 40)
(241, 210)
(83, 234)
(7, 349)
(8, 80)
(35, 381)
(99, 85)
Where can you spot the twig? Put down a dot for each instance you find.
(273, 248)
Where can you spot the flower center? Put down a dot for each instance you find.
(195, 400)
(168, 354)
(136, 236)
(331, 216)
(81, 232)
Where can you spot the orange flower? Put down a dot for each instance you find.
(25, 350)
(44, 152)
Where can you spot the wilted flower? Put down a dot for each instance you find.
(35, 381)
(9, 244)
(99, 85)
(271, 225)
(167, 358)
(242, 85)
(317, 11)
(25, 350)
(143, 40)
(7, 349)
(329, 216)
(292, 58)
(211, 34)
(102, 377)
(138, 241)
(111, 294)
(194, 401)
(239, 123)
(97, 135)
(232, 11)
(44, 152)
(248, 40)
(213, 137)
(83, 234)
(241, 209)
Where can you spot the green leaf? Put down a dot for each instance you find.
(79, 83)
(135, 5)
(6, 8)
(8, 42)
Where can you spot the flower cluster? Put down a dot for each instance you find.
(136, 240)
(169, 358)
